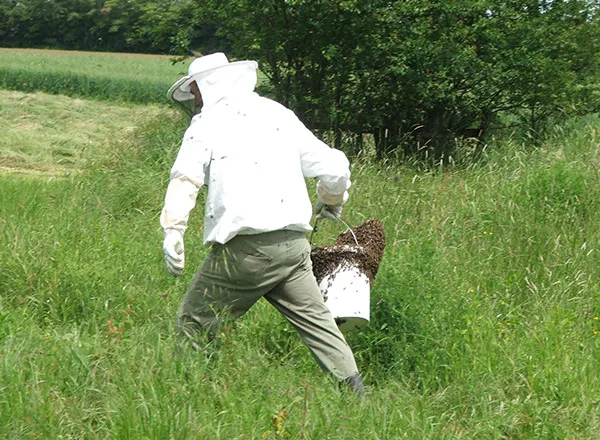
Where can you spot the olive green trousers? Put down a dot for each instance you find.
(276, 266)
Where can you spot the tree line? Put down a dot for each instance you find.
(142, 26)
(411, 75)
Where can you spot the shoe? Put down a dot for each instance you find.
(356, 384)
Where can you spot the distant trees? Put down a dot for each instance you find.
(146, 26)
(412, 75)
(417, 74)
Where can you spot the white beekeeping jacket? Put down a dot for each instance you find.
(253, 154)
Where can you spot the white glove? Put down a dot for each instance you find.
(173, 251)
(333, 212)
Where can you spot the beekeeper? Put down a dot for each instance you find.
(253, 155)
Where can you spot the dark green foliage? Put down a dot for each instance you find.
(416, 75)
(103, 25)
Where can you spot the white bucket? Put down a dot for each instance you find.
(347, 295)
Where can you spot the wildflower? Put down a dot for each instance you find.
(595, 318)
(471, 290)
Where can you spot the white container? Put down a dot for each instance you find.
(346, 291)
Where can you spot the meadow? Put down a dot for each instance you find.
(125, 77)
(485, 314)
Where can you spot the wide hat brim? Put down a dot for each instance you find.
(180, 90)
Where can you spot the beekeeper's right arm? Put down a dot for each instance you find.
(187, 177)
(330, 167)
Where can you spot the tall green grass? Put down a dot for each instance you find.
(130, 78)
(485, 315)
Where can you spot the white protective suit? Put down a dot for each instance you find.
(253, 154)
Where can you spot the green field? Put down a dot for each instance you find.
(124, 77)
(485, 314)
(96, 64)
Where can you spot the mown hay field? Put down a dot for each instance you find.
(485, 313)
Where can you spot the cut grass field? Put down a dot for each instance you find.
(485, 320)
(55, 133)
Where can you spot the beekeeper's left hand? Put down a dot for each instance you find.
(173, 251)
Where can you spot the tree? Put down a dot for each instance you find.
(415, 74)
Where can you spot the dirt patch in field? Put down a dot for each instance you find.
(344, 252)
